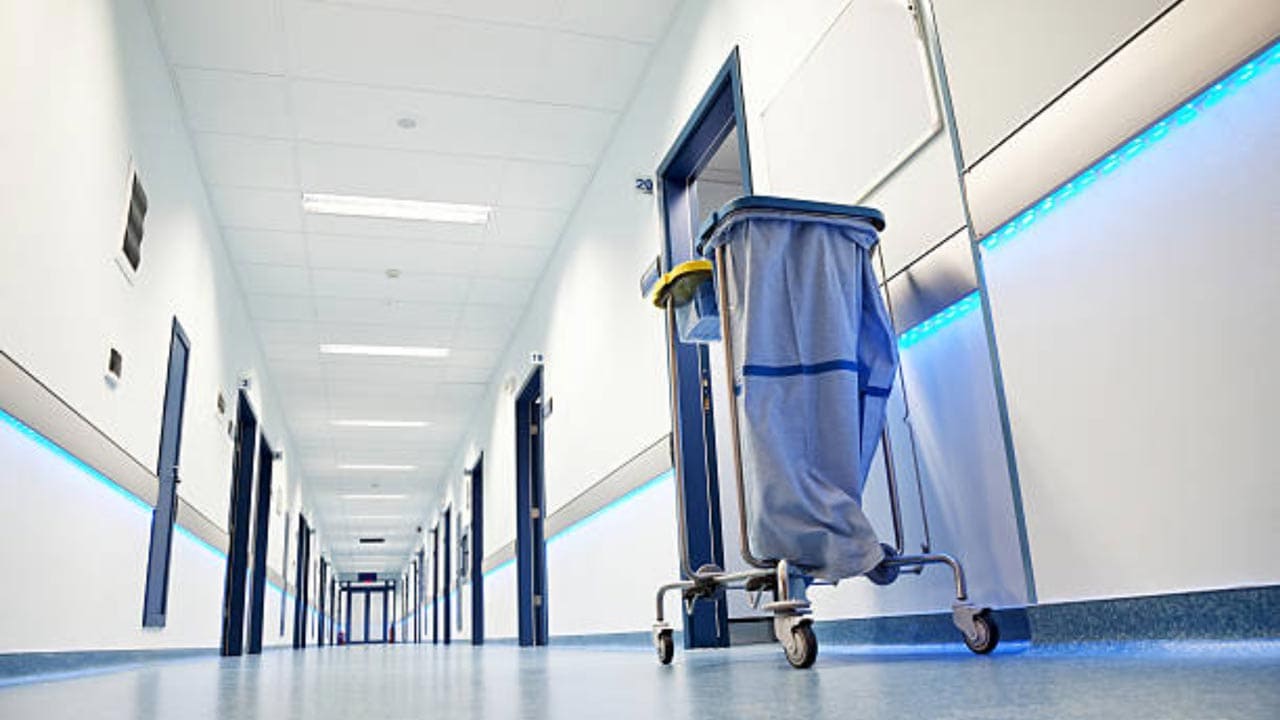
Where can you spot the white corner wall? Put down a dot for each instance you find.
(89, 92)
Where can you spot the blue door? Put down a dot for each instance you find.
(531, 554)
(156, 599)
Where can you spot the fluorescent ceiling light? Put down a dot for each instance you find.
(385, 350)
(374, 207)
(374, 497)
(375, 467)
(381, 423)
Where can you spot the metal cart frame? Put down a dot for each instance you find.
(792, 624)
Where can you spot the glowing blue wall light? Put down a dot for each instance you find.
(44, 442)
(939, 320)
(1264, 61)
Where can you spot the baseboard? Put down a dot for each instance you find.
(16, 668)
(1234, 614)
(921, 629)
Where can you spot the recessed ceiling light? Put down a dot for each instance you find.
(395, 209)
(385, 350)
(374, 497)
(381, 423)
(376, 467)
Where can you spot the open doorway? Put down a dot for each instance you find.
(476, 564)
(446, 573)
(531, 553)
(435, 584)
(707, 166)
(233, 592)
(261, 522)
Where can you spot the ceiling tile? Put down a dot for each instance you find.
(387, 312)
(228, 34)
(523, 226)
(542, 185)
(587, 72)
(337, 113)
(226, 102)
(500, 291)
(281, 307)
(266, 246)
(640, 21)
(248, 162)
(490, 317)
(364, 334)
(514, 262)
(382, 172)
(275, 279)
(304, 331)
(379, 254)
(559, 134)
(257, 209)
(375, 285)
(460, 55)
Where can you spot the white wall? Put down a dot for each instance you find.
(1055, 43)
(1138, 330)
(88, 91)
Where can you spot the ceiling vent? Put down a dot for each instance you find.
(372, 541)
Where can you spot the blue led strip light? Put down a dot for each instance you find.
(44, 442)
(622, 500)
(35, 436)
(1189, 111)
(1264, 61)
(939, 320)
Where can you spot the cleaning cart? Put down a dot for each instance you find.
(788, 290)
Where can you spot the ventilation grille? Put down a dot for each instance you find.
(132, 248)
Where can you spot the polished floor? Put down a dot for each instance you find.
(1239, 680)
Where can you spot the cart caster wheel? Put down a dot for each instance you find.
(666, 647)
(803, 650)
(988, 634)
(884, 574)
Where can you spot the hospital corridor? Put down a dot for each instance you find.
(652, 359)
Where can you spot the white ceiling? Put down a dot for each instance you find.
(514, 102)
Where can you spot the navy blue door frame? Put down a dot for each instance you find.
(435, 585)
(446, 563)
(233, 592)
(300, 584)
(720, 112)
(477, 551)
(156, 592)
(261, 525)
(321, 591)
(531, 557)
(346, 593)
